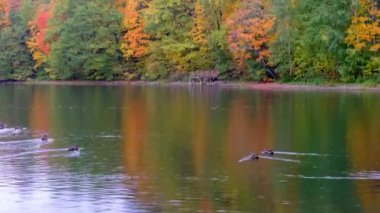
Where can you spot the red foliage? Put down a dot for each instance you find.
(37, 43)
(41, 24)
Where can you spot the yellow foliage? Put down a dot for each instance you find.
(37, 54)
(364, 31)
(375, 48)
(198, 32)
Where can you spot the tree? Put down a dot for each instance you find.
(202, 58)
(15, 59)
(218, 13)
(364, 31)
(283, 45)
(319, 48)
(88, 43)
(37, 44)
(135, 40)
(249, 33)
(363, 35)
(4, 13)
(169, 23)
(198, 31)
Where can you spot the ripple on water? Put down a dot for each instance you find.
(362, 175)
(299, 153)
(27, 154)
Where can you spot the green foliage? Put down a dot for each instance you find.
(156, 65)
(219, 46)
(88, 45)
(16, 61)
(170, 23)
(283, 47)
(353, 65)
(256, 71)
(310, 39)
(372, 69)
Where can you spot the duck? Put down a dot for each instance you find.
(267, 152)
(17, 131)
(44, 138)
(73, 148)
(2, 126)
(251, 156)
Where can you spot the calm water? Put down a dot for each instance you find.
(170, 149)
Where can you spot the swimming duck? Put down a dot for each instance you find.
(252, 156)
(17, 131)
(73, 148)
(44, 138)
(267, 152)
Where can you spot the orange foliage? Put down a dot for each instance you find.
(249, 31)
(135, 41)
(364, 32)
(4, 13)
(37, 43)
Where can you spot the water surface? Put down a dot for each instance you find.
(176, 149)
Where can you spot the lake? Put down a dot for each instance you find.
(176, 149)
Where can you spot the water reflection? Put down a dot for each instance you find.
(170, 149)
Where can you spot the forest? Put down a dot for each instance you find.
(260, 40)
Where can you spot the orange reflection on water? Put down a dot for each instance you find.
(248, 129)
(134, 124)
(200, 130)
(200, 140)
(363, 138)
(39, 111)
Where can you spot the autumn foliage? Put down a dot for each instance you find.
(364, 32)
(198, 33)
(250, 31)
(37, 42)
(303, 40)
(135, 40)
(4, 13)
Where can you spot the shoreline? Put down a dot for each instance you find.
(274, 86)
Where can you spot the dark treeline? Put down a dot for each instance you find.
(296, 40)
